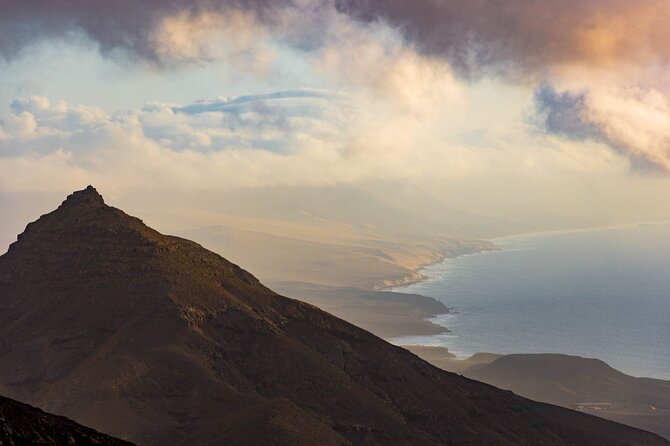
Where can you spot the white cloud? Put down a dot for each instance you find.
(197, 37)
(632, 120)
(377, 58)
(292, 138)
(297, 138)
(20, 126)
(309, 138)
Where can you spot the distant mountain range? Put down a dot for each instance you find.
(156, 340)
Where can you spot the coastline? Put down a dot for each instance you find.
(410, 279)
(468, 247)
(417, 275)
(591, 262)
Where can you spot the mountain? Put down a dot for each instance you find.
(589, 385)
(154, 339)
(21, 424)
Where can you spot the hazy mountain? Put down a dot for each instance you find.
(385, 208)
(155, 339)
(587, 384)
(21, 424)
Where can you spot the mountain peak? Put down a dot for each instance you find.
(83, 219)
(86, 197)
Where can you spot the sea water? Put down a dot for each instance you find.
(600, 293)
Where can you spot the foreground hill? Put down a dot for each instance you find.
(21, 424)
(589, 385)
(155, 339)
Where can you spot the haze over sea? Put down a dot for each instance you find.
(601, 293)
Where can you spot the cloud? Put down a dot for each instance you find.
(397, 68)
(301, 138)
(294, 137)
(234, 103)
(162, 32)
(19, 125)
(248, 36)
(385, 66)
(526, 37)
(519, 39)
(561, 113)
(634, 121)
(272, 122)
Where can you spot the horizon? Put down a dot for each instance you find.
(217, 97)
(517, 235)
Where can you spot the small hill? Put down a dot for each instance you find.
(586, 384)
(156, 339)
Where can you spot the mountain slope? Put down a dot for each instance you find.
(155, 339)
(21, 424)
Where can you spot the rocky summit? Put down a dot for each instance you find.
(156, 340)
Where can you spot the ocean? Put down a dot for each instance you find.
(601, 293)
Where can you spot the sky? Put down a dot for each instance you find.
(553, 112)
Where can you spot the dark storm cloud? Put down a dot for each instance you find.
(113, 24)
(561, 113)
(521, 37)
(515, 37)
